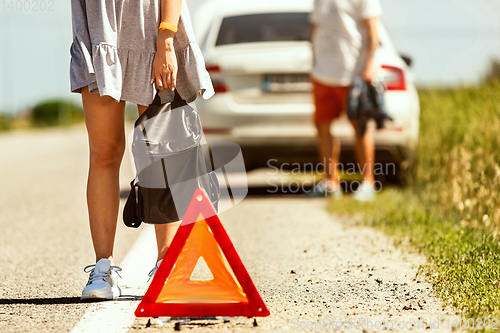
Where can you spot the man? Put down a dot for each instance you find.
(344, 37)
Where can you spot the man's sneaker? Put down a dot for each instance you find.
(336, 194)
(321, 190)
(103, 282)
(365, 192)
(153, 271)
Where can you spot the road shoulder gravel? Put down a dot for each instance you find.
(311, 268)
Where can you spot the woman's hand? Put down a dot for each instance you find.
(164, 72)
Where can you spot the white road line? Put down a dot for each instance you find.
(118, 316)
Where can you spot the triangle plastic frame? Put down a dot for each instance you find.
(148, 307)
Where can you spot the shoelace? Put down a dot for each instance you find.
(152, 272)
(101, 275)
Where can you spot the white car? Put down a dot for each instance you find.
(259, 58)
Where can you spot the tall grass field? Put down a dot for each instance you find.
(451, 210)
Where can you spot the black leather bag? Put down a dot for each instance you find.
(365, 101)
(170, 165)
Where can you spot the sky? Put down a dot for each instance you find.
(451, 43)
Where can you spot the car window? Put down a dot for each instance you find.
(264, 28)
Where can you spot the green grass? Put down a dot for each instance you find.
(459, 169)
(5, 121)
(451, 213)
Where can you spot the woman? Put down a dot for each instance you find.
(121, 50)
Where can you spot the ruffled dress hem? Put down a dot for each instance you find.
(112, 71)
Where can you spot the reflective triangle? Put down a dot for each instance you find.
(201, 271)
(173, 293)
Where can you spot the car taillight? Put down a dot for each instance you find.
(393, 77)
(215, 75)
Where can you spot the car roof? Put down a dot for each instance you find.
(207, 11)
(242, 7)
(214, 10)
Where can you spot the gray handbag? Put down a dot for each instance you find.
(170, 165)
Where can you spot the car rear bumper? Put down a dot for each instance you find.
(287, 133)
(298, 144)
(221, 111)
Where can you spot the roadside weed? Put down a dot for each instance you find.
(451, 213)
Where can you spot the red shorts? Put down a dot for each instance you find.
(329, 101)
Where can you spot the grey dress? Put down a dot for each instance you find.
(114, 43)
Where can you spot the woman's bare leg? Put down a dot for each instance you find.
(164, 235)
(164, 232)
(104, 118)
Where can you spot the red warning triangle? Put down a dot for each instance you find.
(174, 293)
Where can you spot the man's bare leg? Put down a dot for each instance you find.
(365, 153)
(329, 149)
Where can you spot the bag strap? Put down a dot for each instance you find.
(176, 103)
(157, 99)
(178, 100)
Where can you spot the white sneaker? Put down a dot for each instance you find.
(103, 281)
(321, 190)
(153, 271)
(365, 192)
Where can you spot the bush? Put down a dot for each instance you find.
(5, 121)
(56, 112)
(493, 72)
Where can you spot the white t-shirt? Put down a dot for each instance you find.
(338, 41)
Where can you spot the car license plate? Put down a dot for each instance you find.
(286, 83)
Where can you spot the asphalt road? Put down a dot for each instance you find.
(307, 265)
(44, 233)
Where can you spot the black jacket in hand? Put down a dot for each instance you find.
(365, 101)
